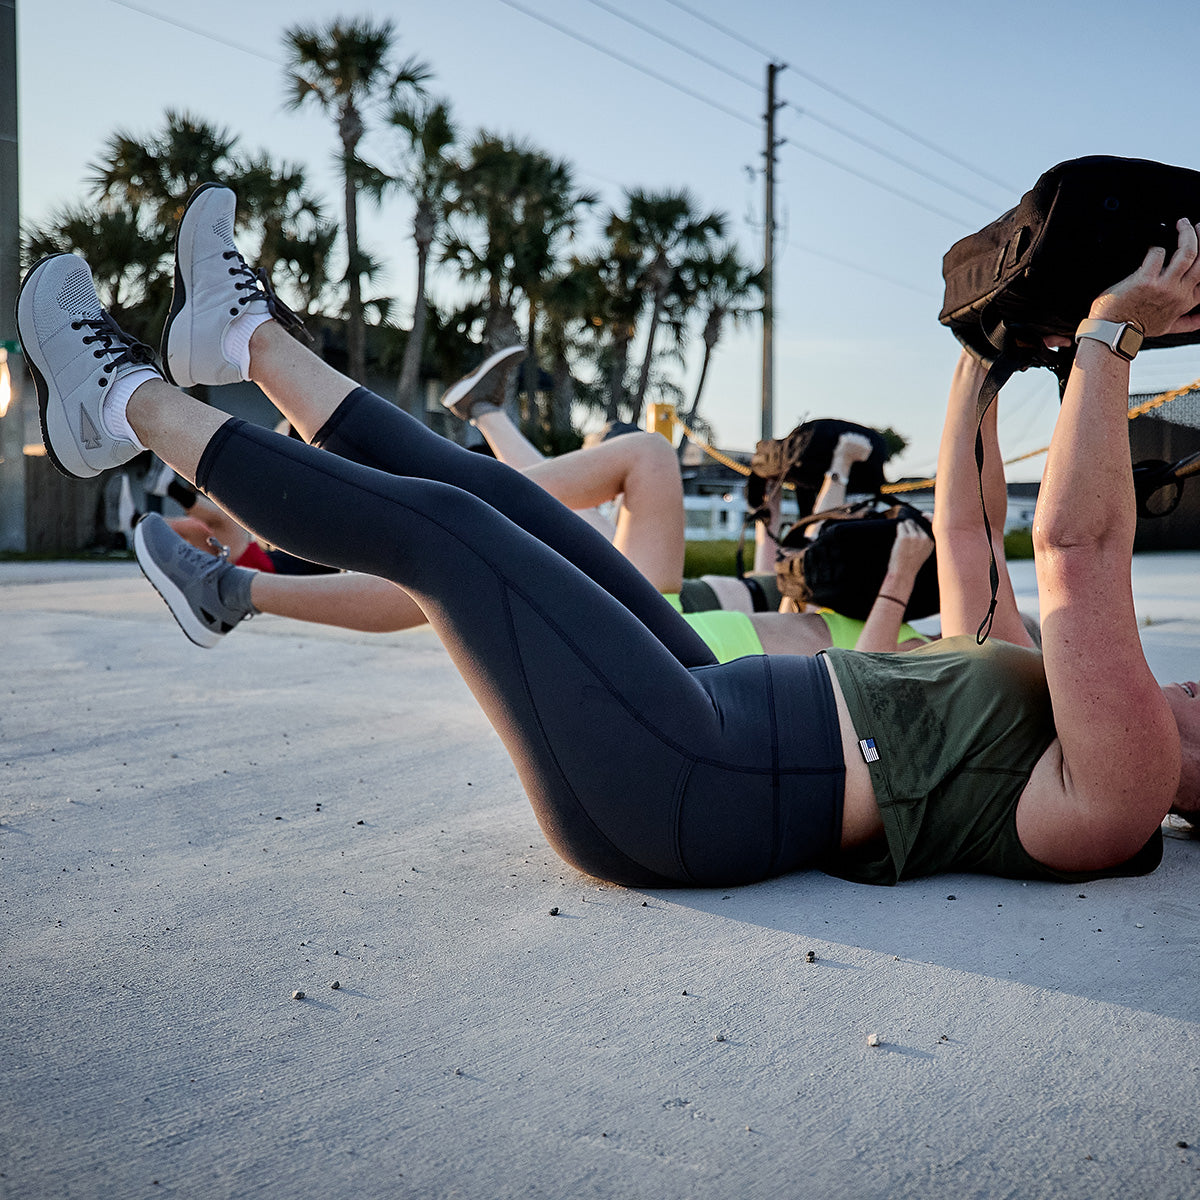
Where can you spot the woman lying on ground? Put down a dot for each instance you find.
(646, 762)
(209, 598)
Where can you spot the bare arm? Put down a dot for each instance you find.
(910, 551)
(1120, 747)
(964, 581)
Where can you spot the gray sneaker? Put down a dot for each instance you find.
(213, 287)
(75, 352)
(485, 385)
(206, 594)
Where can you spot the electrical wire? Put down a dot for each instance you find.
(845, 97)
(675, 44)
(628, 62)
(212, 37)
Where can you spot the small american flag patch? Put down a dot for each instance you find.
(869, 752)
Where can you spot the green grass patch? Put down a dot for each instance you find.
(714, 558)
(1018, 544)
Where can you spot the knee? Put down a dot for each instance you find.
(652, 458)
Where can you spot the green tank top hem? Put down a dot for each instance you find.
(951, 732)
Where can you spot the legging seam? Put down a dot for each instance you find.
(769, 684)
(685, 773)
(563, 777)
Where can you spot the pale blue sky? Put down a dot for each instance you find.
(1008, 89)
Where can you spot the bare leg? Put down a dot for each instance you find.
(508, 443)
(511, 446)
(303, 387)
(643, 469)
(349, 601)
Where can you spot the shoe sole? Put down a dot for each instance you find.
(174, 599)
(39, 369)
(179, 293)
(468, 383)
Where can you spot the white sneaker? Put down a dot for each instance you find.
(214, 288)
(485, 385)
(76, 352)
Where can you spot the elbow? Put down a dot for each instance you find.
(1081, 534)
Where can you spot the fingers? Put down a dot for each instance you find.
(1184, 257)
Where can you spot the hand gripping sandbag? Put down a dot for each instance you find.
(803, 457)
(842, 566)
(1085, 225)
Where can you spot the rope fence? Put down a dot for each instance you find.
(918, 485)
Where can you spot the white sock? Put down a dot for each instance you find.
(235, 345)
(113, 411)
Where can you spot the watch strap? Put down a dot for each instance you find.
(1123, 338)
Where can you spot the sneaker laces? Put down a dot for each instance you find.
(220, 547)
(117, 345)
(256, 285)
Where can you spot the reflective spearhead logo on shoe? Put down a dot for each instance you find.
(89, 435)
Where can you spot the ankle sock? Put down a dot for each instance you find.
(112, 414)
(233, 590)
(236, 343)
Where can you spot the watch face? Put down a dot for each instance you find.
(1129, 342)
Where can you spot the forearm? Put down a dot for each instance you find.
(881, 630)
(958, 483)
(1086, 497)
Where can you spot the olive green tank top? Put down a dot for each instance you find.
(951, 732)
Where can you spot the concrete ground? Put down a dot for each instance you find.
(188, 838)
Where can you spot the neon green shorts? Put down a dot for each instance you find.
(728, 635)
(845, 631)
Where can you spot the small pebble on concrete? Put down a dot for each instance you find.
(297, 995)
(873, 1039)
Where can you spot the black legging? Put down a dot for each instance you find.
(645, 762)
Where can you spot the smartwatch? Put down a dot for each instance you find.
(1123, 338)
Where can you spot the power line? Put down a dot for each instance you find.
(756, 85)
(845, 97)
(212, 37)
(842, 262)
(885, 153)
(729, 112)
(887, 187)
(628, 62)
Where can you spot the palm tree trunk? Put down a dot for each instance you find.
(356, 336)
(410, 369)
(529, 369)
(644, 375)
(562, 397)
(616, 379)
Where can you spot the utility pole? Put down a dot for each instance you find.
(12, 364)
(768, 310)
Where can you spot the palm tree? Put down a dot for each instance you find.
(614, 302)
(549, 213)
(426, 175)
(346, 69)
(141, 186)
(726, 287)
(660, 228)
(154, 176)
(127, 267)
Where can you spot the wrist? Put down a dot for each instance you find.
(897, 583)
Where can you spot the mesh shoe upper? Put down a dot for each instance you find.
(200, 589)
(75, 351)
(213, 287)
